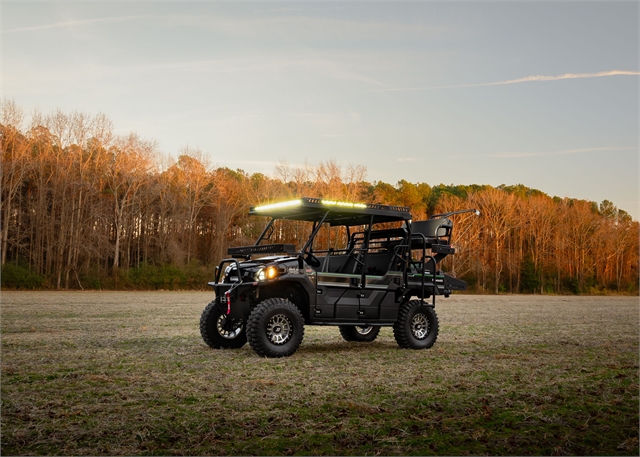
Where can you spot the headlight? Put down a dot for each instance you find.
(267, 273)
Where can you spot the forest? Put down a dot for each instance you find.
(85, 208)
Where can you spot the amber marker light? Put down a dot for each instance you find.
(271, 272)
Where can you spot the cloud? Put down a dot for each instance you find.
(565, 76)
(289, 27)
(74, 23)
(126, 75)
(526, 79)
(302, 27)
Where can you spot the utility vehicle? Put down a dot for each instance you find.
(266, 293)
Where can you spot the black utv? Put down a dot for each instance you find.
(267, 293)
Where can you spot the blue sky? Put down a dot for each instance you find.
(544, 94)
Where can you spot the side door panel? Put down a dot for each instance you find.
(330, 289)
(338, 296)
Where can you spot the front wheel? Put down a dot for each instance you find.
(275, 328)
(416, 327)
(220, 331)
(365, 333)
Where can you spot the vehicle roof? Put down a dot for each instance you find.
(340, 212)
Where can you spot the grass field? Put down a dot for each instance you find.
(113, 373)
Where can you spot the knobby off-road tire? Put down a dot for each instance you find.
(220, 331)
(275, 328)
(366, 333)
(416, 327)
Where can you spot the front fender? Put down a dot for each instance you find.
(240, 299)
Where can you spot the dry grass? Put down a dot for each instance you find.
(114, 373)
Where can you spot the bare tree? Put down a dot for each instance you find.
(497, 207)
(190, 181)
(15, 166)
(126, 171)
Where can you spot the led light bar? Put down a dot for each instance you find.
(278, 205)
(327, 203)
(343, 204)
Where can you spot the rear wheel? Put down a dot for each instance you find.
(416, 327)
(275, 328)
(364, 333)
(220, 331)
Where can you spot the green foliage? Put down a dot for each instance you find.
(93, 279)
(460, 191)
(472, 281)
(521, 190)
(572, 285)
(167, 277)
(529, 278)
(18, 276)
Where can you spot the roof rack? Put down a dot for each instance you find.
(338, 212)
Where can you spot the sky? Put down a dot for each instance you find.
(543, 94)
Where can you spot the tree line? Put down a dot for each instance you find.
(82, 207)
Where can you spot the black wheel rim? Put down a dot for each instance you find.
(228, 328)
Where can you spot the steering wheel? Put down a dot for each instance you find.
(312, 260)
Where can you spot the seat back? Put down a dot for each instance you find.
(433, 228)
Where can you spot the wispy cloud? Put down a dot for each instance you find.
(300, 25)
(526, 79)
(559, 153)
(74, 23)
